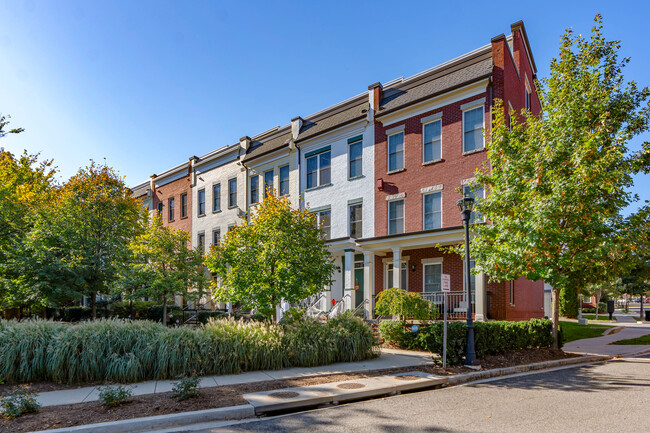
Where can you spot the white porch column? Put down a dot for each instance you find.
(397, 267)
(368, 281)
(348, 278)
(480, 301)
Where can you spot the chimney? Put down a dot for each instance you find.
(375, 93)
(296, 124)
(245, 142)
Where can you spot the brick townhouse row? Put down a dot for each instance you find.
(382, 172)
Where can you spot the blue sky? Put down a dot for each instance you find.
(147, 84)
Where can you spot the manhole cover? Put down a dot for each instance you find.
(408, 377)
(284, 394)
(351, 385)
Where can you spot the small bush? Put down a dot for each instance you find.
(404, 305)
(392, 331)
(186, 388)
(115, 395)
(77, 314)
(294, 315)
(19, 401)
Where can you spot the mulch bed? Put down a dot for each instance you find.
(223, 396)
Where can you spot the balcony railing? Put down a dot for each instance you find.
(456, 304)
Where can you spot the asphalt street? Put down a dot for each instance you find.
(610, 397)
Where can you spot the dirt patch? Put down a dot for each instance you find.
(223, 396)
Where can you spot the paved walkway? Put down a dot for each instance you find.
(602, 346)
(389, 358)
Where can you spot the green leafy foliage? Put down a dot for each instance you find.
(19, 401)
(491, 338)
(558, 181)
(404, 305)
(392, 331)
(164, 265)
(186, 388)
(129, 352)
(277, 254)
(114, 395)
(569, 302)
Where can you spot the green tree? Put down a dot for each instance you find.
(278, 254)
(165, 265)
(80, 239)
(4, 121)
(25, 185)
(558, 182)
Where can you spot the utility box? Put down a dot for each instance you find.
(610, 308)
(647, 315)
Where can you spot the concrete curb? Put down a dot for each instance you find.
(248, 411)
(162, 421)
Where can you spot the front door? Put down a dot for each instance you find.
(358, 287)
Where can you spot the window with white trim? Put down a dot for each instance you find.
(255, 189)
(216, 197)
(201, 206)
(477, 193)
(216, 236)
(432, 204)
(170, 209)
(396, 217)
(284, 180)
(473, 129)
(324, 222)
(396, 151)
(232, 192)
(201, 242)
(355, 159)
(268, 182)
(403, 277)
(432, 141)
(318, 170)
(432, 277)
(183, 205)
(356, 215)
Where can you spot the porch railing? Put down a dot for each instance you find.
(456, 304)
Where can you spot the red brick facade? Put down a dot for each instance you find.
(175, 189)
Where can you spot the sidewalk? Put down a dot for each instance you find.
(602, 346)
(390, 358)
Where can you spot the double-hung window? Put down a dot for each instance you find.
(432, 277)
(232, 193)
(396, 217)
(201, 204)
(160, 207)
(356, 217)
(268, 183)
(201, 242)
(431, 141)
(473, 129)
(324, 222)
(355, 157)
(284, 180)
(432, 210)
(170, 205)
(183, 205)
(476, 192)
(396, 151)
(255, 189)
(318, 169)
(216, 197)
(403, 277)
(216, 236)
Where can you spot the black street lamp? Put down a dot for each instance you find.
(465, 206)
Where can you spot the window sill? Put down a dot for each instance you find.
(435, 161)
(361, 176)
(200, 215)
(314, 188)
(471, 152)
(184, 218)
(216, 211)
(232, 207)
(171, 221)
(396, 171)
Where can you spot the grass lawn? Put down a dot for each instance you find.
(634, 341)
(571, 331)
(600, 317)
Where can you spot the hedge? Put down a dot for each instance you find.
(491, 338)
(132, 351)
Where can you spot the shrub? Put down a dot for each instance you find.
(491, 338)
(294, 315)
(19, 401)
(141, 309)
(404, 305)
(568, 302)
(392, 331)
(186, 388)
(77, 314)
(115, 395)
(132, 351)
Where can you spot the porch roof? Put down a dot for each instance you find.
(413, 240)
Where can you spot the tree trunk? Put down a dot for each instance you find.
(93, 300)
(164, 310)
(555, 298)
(641, 307)
(598, 296)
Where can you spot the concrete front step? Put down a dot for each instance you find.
(338, 392)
